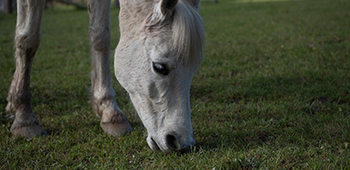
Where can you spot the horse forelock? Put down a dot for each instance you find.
(188, 33)
(186, 26)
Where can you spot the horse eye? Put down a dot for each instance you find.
(160, 68)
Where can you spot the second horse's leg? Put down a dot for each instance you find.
(113, 120)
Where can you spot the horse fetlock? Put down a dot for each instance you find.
(18, 101)
(113, 116)
(111, 113)
(104, 106)
(10, 108)
(96, 108)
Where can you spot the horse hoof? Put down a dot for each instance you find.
(116, 129)
(28, 131)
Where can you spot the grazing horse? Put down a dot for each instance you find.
(160, 47)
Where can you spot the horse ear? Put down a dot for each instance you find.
(167, 6)
(161, 11)
(196, 3)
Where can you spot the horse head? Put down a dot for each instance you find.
(159, 50)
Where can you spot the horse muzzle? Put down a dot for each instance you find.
(171, 143)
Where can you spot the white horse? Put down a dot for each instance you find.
(160, 47)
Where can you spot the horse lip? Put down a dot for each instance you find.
(186, 149)
(156, 147)
(155, 143)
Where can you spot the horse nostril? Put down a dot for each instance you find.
(171, 142)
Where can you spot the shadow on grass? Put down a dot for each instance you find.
(306, 89)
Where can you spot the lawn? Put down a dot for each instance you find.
(272, 92)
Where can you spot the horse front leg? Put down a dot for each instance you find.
(113, 120)
(27, 41)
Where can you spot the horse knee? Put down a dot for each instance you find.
(27, 44)
(100, 38)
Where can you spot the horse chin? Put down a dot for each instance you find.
(154, 146)
(157, 146)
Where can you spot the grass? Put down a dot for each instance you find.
(273, 92)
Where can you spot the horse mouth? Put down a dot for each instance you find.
(154, 146)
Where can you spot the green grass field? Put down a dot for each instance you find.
(273, 92)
